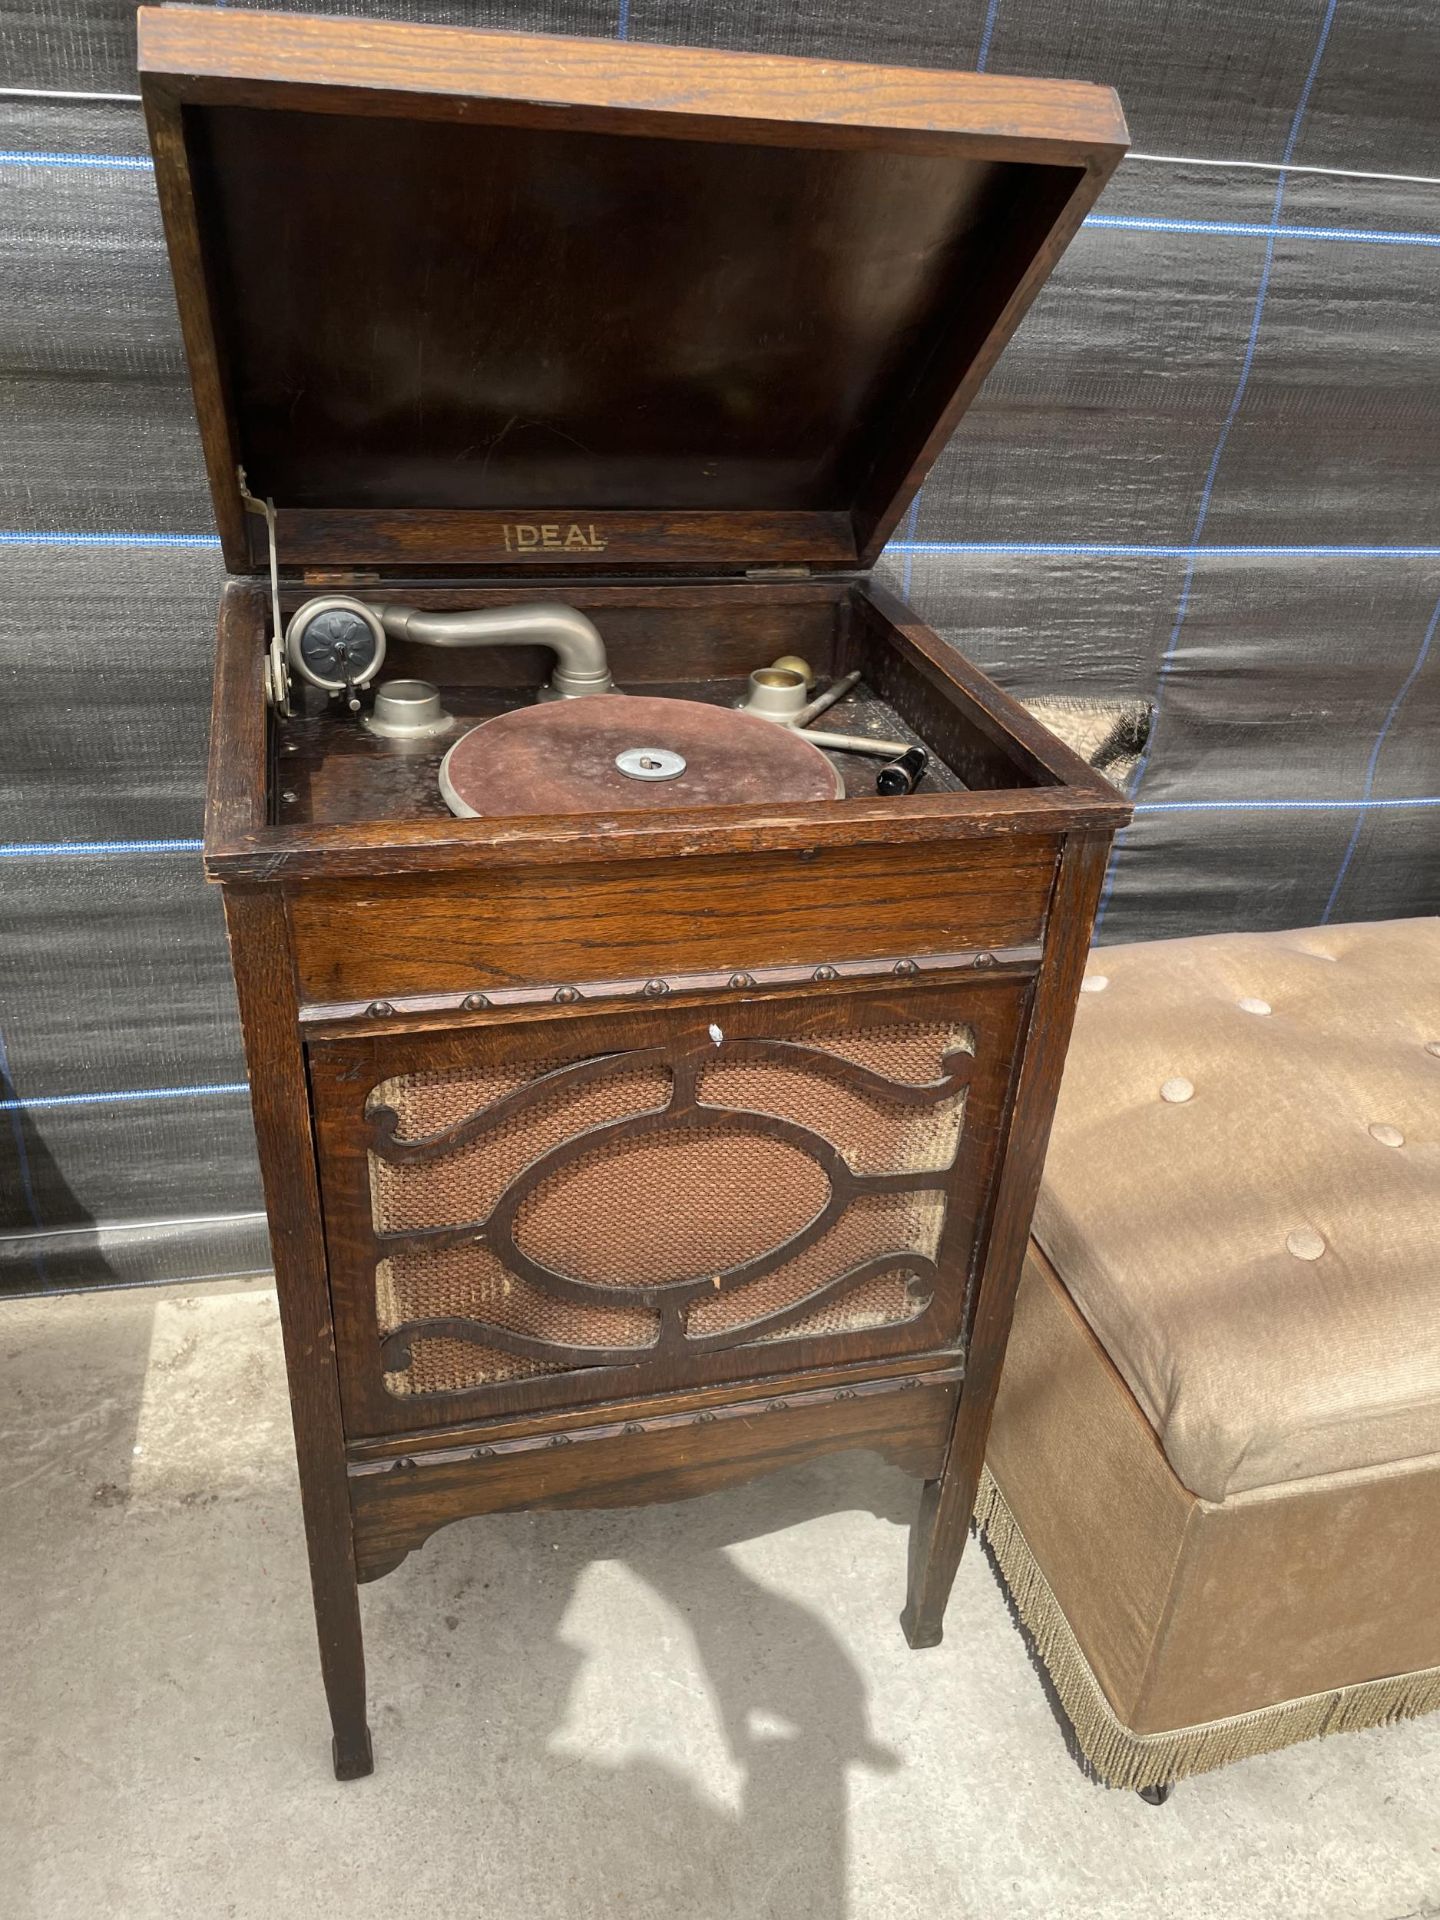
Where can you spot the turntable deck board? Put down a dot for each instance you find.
(332, 772)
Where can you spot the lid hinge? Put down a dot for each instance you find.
(798, 572)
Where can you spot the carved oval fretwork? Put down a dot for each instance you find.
(625, 1208)
(665, 1206)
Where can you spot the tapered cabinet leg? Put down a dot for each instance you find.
(937, 1541)
(279, 1096)
(342, 1658)
(922, 1628)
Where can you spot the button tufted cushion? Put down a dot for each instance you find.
(1242, 1195)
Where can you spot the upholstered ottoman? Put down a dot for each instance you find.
(1213, 1482)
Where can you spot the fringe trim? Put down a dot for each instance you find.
(1121, 1758)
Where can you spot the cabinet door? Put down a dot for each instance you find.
(540, 1212)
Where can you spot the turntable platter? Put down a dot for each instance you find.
(627, 753)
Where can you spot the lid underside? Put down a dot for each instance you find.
(468, 342)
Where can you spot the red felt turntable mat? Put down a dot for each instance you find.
(560, 757)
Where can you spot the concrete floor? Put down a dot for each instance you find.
(703, 1710)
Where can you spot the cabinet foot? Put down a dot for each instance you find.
(920, 1633)
(355, 1759)
(936, 1541)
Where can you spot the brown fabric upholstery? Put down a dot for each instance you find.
(1186, 1611)
(1243, 1198)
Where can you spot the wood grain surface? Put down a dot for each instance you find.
(265, 985)
(938, 1539)
(203, 50)
(396, 1510)
(574, 539)
(429, 933)
(496, 204)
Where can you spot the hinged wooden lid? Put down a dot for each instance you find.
(487, 301)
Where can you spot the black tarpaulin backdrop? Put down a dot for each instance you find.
(1205, 473)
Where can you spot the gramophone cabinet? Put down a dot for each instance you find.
(612, 1156)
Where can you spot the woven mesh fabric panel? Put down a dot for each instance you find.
(690, 1200)
(874, 1225)
(429, 1283)
(883, 1301)
(912, 1051)
(873, 1134)
(467, 1282)
(465, 1183)
(694, 1200)
(1192, 398)
(444, 1365)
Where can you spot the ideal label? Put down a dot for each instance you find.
(535, 537)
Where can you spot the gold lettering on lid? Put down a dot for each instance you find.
(524, 536)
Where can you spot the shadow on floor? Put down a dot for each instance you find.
(788, 1701)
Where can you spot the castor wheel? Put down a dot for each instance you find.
(1156, 1796)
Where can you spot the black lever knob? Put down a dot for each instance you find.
(905, 774)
